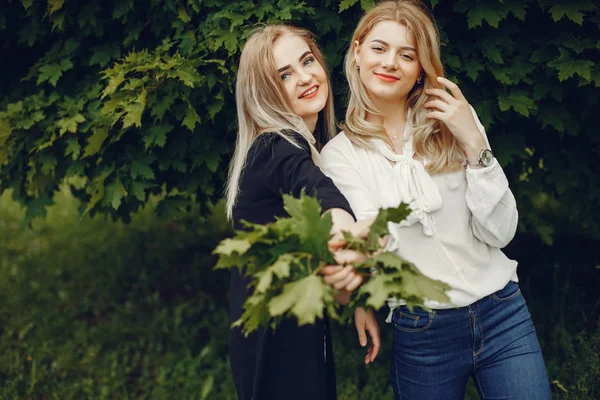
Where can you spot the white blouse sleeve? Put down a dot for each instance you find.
(339, 163)
(494, 209)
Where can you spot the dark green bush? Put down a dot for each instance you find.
(96, 309)
(91, 308)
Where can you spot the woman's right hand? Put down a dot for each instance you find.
(343, 276)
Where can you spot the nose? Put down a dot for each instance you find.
(304, 77)
(390, 61)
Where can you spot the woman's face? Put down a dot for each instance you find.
(388, 62)
(304, 78)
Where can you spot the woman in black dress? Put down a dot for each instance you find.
(285, 113)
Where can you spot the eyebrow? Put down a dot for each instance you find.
(387, 44)
(299, 59)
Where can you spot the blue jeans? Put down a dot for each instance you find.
(492, 340)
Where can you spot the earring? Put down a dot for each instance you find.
(420, 80)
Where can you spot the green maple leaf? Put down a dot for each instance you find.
(26, 4)
(161, 104)
(134, 111)
(473, 68)
(346, 4)
(280, 269)
(489, 11)
(142, 169)
(73, 149)
(567, 66)
(212, 161)
(398, 278)
(183, 15)
(157, 136)
(232, 245)
(187, 75)
(379, 227)
(5, 131)
(95, 141)
(55, 5)
(70, 124)
(113, 194)
(255, 313)
(191, 118)
(519, 101)
(313, 230)
(492, 54)
(234, 260)
(376, 290)
(138, 189)
(52, 72)
(36, 208)
(304, 299)
(572, 11)
(367, 4)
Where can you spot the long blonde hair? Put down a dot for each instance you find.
(431, 138)
(262, 103)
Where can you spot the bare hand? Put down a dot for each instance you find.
(365, 321)
(341, 277)
(454, 111)
(359, 229)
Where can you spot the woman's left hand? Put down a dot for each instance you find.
(454, 111)
(365, 321)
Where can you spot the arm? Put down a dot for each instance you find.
(292, 170)
(338, 163)
(491, 202)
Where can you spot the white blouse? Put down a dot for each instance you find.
(459, 220)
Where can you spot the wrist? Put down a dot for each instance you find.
(342, 297)
(473, 150)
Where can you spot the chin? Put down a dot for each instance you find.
(314, 108)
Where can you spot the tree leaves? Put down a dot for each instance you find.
(52, 72)
(305, 299)
(283, 259)
(105, 58)
(572, 10)
(567, 66)
(519, 101)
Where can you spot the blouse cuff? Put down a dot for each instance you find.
(486, 186)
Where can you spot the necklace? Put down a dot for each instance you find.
(395, 137)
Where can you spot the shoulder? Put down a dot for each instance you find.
(340, 148)
(273, 145)
(340, 142)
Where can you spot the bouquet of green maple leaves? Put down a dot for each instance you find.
(283, 260)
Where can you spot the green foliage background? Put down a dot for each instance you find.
(136, 96)
(128, 106)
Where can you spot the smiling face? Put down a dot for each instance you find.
(303, 77)
(388, 62)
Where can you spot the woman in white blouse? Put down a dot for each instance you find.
(407, 139)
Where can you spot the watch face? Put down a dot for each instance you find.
(486, 158)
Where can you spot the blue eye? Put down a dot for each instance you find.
(285, 76)
(309, 61)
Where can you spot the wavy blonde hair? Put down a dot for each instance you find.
(431, 138)
(263, 105)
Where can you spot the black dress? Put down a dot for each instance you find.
(293, 363)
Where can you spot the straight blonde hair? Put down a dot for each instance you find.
(431, 138)
(263, 106)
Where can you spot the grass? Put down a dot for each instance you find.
(96, 309)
